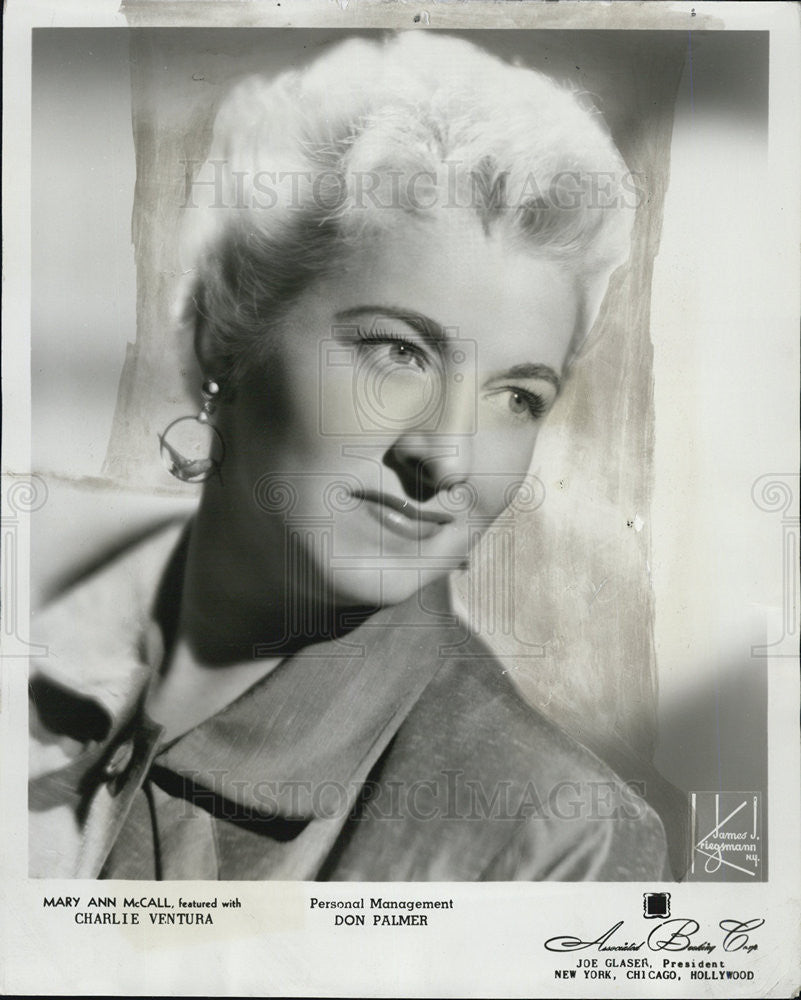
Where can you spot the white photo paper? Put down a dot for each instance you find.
(400, 499)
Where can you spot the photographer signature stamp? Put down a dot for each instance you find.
(726, 837)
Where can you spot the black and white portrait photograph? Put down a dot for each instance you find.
(400, 499)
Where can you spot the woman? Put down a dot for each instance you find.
(391, 259)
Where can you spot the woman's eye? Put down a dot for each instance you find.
(523, 403)
(402, 354)
(388, 349)
(517, 404)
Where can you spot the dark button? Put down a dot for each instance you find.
(118, 762)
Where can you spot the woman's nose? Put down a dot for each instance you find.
(438, 457)
(425, 464)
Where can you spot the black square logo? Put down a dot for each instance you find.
(656, 904)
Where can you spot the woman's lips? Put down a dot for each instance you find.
(402, 516)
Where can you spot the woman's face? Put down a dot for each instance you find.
(398, 412)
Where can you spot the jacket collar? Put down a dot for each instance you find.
(101, 638)
(302, 740)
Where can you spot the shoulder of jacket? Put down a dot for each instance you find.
(101, 645)
(473, 706)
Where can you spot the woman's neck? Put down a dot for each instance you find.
(233, 609)
(235, 623)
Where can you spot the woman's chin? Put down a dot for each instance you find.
(384, 587)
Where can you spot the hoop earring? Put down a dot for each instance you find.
(196, 449)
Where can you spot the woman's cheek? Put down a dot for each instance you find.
(502, 466)
(505, 453)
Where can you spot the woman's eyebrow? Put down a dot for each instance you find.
(534, 370)
(424, 325)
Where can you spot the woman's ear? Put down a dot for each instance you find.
(204, 347)
(214, 366)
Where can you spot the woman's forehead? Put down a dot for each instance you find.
(461, 280)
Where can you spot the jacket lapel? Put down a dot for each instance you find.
(300, 743)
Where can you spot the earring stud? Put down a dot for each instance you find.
(210, 390)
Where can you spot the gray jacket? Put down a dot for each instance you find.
(401, 752)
